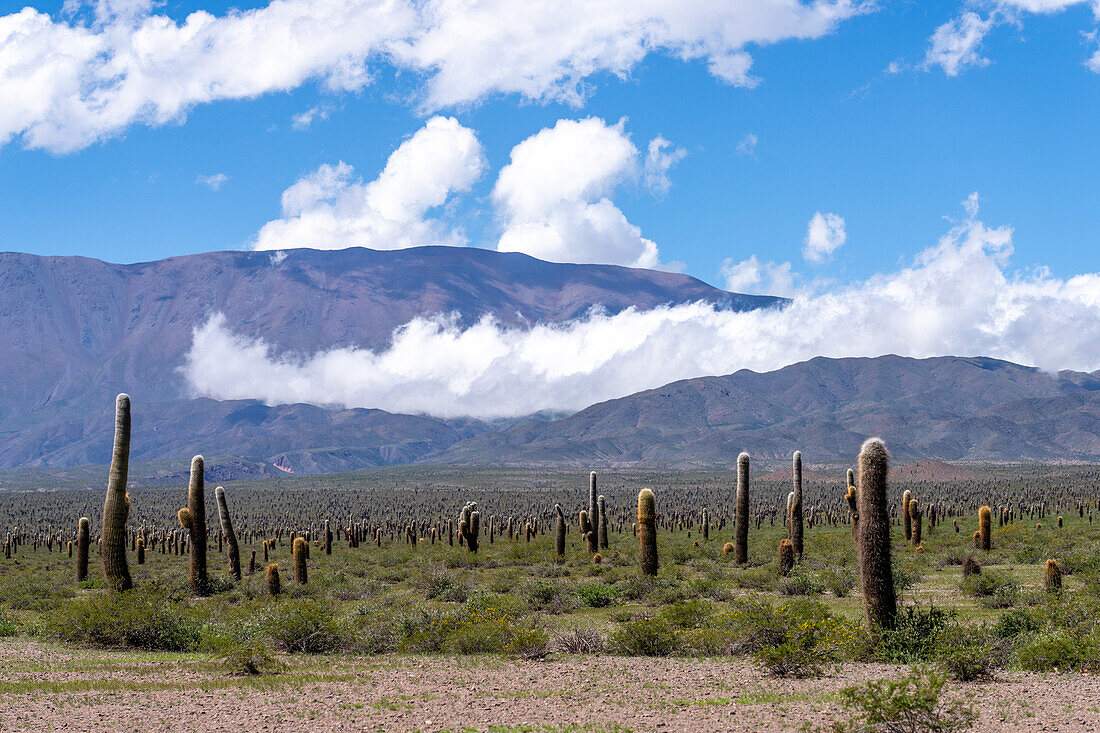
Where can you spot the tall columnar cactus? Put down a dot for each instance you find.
(116, 507)
(915, 520)
(601, 527)
(230, 535)
(852, 498)
(741, 531)
(796, 506)
(193, 519)
(593, 512)
(559, 530)
(876, 574)
(705, 520)
(985, 528)
(328, 538)
(851, 477)
(647, 532)
(83, 541)
(140, 551)
(588, 533)
(300, 548)
(906, 520)
(271, 577)
(470, 526)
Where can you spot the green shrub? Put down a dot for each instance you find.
(646, 637)
(300, 625)
(1061, 650)
(1013, 623)
(905, 705)
(800, 582)
(143, 618)
(242, 653)
(7, 625)
(906, 575)
(599, 595)
(916, 633)
(839, 580)
(969, 653)
(762, 578)
(989, 583)
(687, 614)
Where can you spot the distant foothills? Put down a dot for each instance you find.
(80, 330)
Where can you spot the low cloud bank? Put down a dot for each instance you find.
(959, 297)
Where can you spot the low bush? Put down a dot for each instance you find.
(800, 582)
(143, 618)
(646, 637)
(970, 653)
(905, 705)
(917, 631)
(599, 595)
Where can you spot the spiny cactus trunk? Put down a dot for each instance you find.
(786, 557)
(985, 528)
(271, 577)
(593, 514)
(83, 540)
(116, 507)
(796, 507)
(916, 522)
(741, 531)
(300, 549)
(906, 520)
(193, 519)
(1052, 577)
(602, 526)
(876, 574)
(230, 535)
(559, 531)
(647, 532)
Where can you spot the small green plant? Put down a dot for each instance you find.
(646, 637)
(910, 704)
(968, 654)
(801, 582)
(242, 653)
(917, 631)
(599, 595)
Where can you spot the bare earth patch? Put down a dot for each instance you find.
(43, 687)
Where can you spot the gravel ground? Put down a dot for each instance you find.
(44, 687)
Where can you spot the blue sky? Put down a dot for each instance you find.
(890, 153)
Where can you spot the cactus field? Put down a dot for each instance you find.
(757, 580)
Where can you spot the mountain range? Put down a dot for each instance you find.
(80, 330)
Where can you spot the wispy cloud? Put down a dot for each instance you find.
(213, 182)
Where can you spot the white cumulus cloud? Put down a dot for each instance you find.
(67, 82)
(825, 234)
(756, 277)
(958, 297)
(331, 209)
(553, 197)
